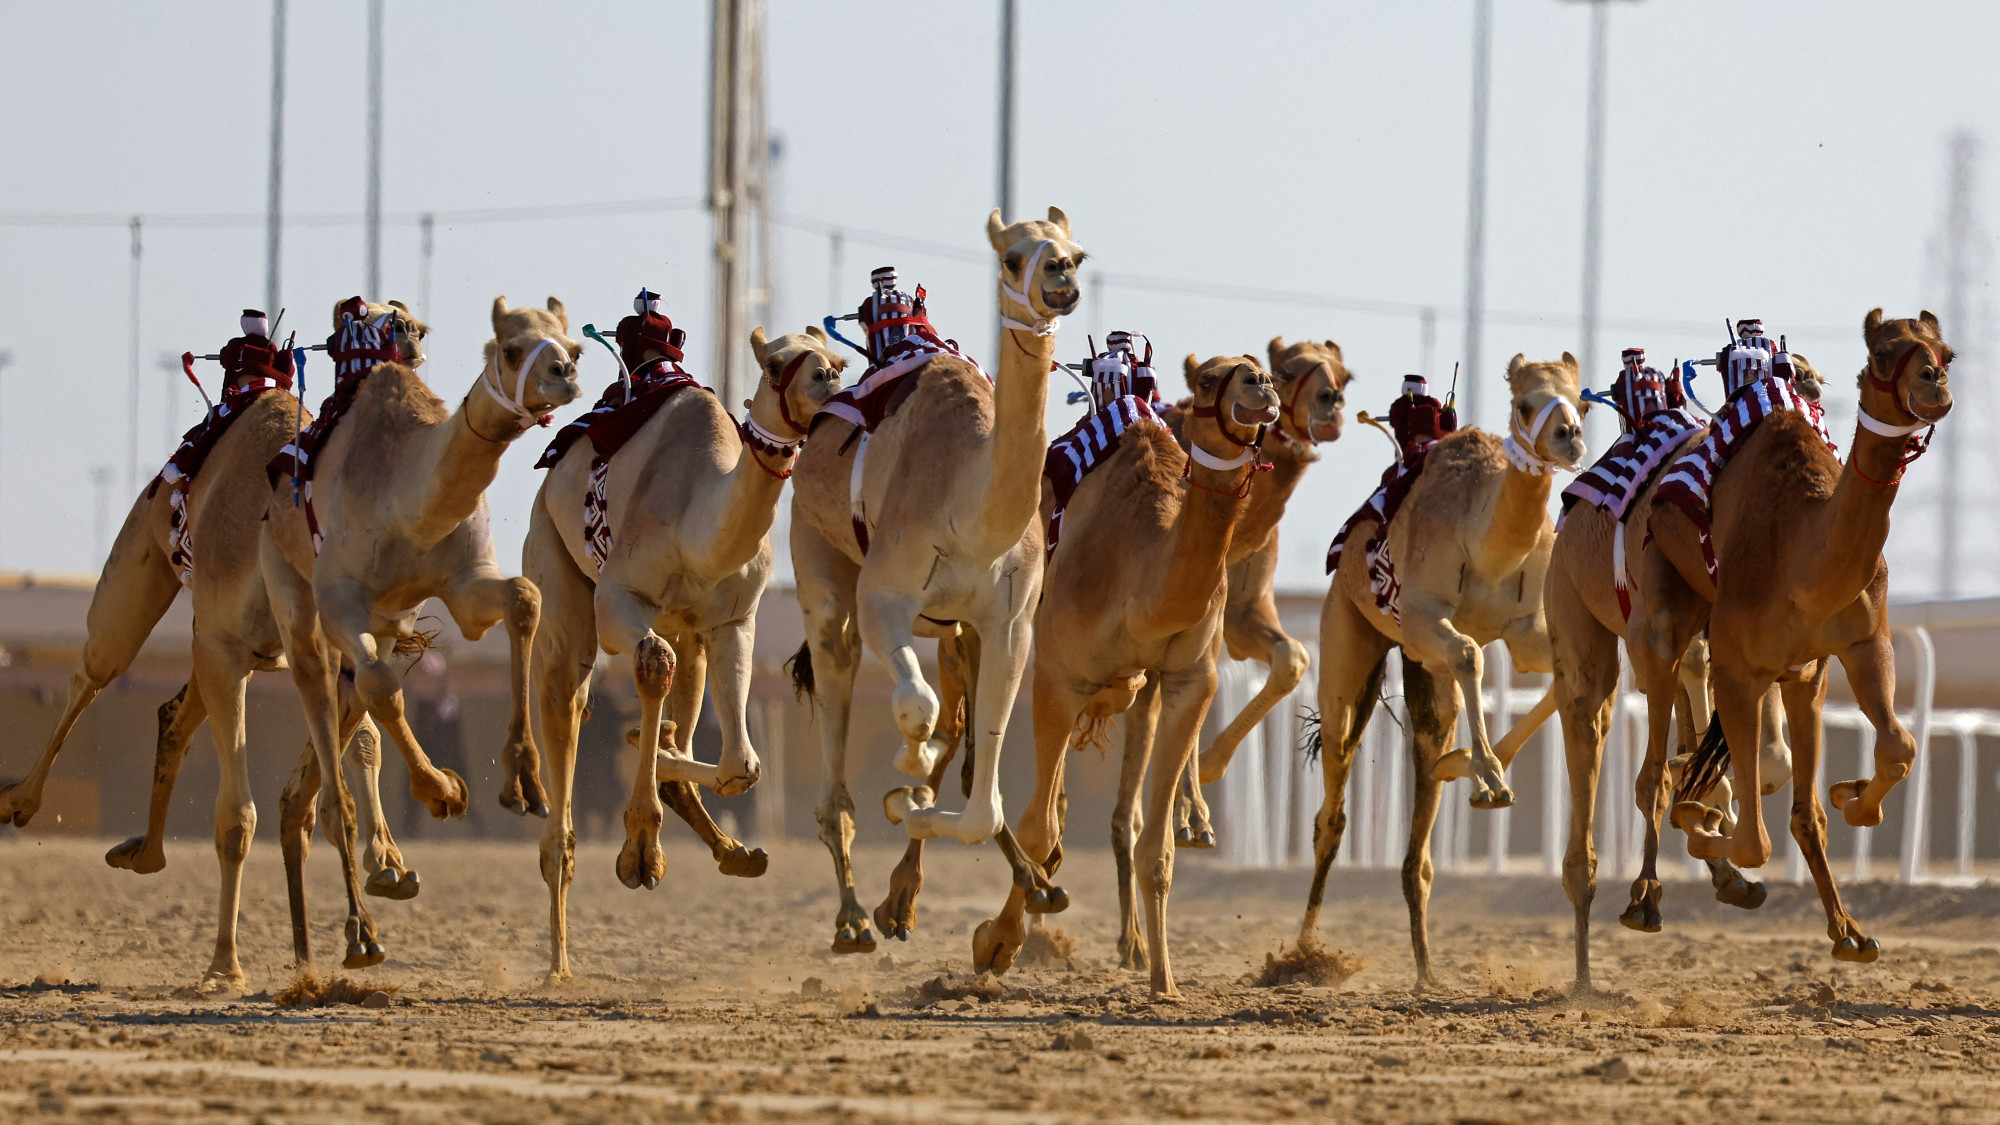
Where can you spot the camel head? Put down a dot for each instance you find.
(517, 334)
(800, 372)
(1312, 388)
(1908, 377)
(1044, 249)
(402, 325)
(1546, 416)
(1806, 378)
(1234, 399)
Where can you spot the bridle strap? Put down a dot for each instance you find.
(489, 381)
(1876, 425)
(1040, 326)
(1292, 405)
(784, 386)
(1215, 412)
(1522, 446)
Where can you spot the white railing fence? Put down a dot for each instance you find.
(1264, 808)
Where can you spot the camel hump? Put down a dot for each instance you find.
(1456, 474)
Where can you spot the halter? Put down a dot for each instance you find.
(1042, 326)
(1913, 447)
(489, 381)
(1523, 452)
(1252, 449)
(766, 442)
(1292, 405)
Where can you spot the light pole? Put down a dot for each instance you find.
(374, 151)
(274, 184)
(1475, 208)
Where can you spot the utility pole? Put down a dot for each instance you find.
(374, 275)
(169, 364)
(1593, 197)
(428, 225)
(100, 482)
(274, 183)
(1960, 257)
(836, 261)
(734, 104)
(1427, 339)
(1004, 169)
(1475, 208)
(132, 357)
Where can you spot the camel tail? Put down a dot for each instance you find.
(1312, 734)
(1706, 765)
(800, 667)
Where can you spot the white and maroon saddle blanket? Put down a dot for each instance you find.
(1380, 508)
(1087, 445)
(1621, 474)
(179, 472)
(1690, 481)
(876, 395)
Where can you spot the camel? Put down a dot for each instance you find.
(1312, 385)
(689, 504)
(1469, 549)
(223, 510)
(400, 496)
(947, 497)
(1799, 579)
(1130, 618)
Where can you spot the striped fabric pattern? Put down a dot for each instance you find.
(866, 403)
(597, 516)
(1083, 448)
(1630, 463)
(1690, 481)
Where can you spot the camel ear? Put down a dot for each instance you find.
(562, 316)
(816, 332)
(1188, 368)
(1274, 349)
(1335, 349)
(1515, 364)
(1061, 220)
(399, 305)
(1870, 323)
(1569, 361)
(757, 343)
(994, 229)
(499, 314)
(1930, 318)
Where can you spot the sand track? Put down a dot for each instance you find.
(714, 999)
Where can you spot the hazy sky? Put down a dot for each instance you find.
(1783, 160)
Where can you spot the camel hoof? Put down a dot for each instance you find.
(919, 758)
(1642, 918)
(1186, 838)
(641, 863)
(901, 802)
(1496, 798)
(1453, 766)
(388, 883)
(364, 954)
(1696, 819)
(1183, 838)
(990, 953)
(1741, 892)
(1132, 954)
(16, 810)
(1863, 951)
(216, 982)
(744, 862)
(890, 925)
(854, 938)
(1058, 900)
(132, 856)
(1846, 796)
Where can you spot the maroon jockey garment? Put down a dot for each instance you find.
(356, 348)
(251, 366)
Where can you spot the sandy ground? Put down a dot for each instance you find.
(715, 999)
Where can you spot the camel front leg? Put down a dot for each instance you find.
(1433, 718)
(998, 940)
(388, 876)
(1803, 705)
(885, 618)
(1185, 696)
(1871, 671)
(727, 655)
(179, 718)
(896, 914)
(1739, 696)
(222, 669)
(1288, 661)
(1193, 826)
(476, 604)
(1128, 820)
(625, 625)
(1650, 790)
(1353, 657)
(832, 656)
(1003, 658)
(1430, 637)
(1586, 716)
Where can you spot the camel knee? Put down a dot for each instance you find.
(559, 859)
(1156, 876)
(524, 603)
(1289, 663)
(653, 667)
(375, 685)
(1461, 657)
(233, 833)
(916, 707)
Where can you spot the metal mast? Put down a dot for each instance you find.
(736, 26)
(132, 356)
(1004, 169)
(1593, 194)
(1475, 212)
(274, 212)
(1960, 244)
(374, 151)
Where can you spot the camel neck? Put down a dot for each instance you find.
(738, 508)
(1855, 520)
(1518, 515)
(462, 458)
(1269, 494)
(1013, 456)
(1197, 561)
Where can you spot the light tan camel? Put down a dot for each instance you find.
(400, 493)
(689, 504)
(1312, 391)
(953, 480)
(1798, 537)
(1132, 610)
(1470, 545)
(236, 635)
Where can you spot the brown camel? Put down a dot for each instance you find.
(1312, 389)
(1800, 579)
(949, 491)
(224, 508)
(400, 496)
(689, 505)
(1131, 611)
(1469, 548)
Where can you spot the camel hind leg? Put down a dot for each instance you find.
(136, 587)
(180, 717)
(1433, 720)
(388, 876)
(896, 915)
(829, 661)
(1353, 657)
(477, 605)
(1128, 819)
(1803, 704)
